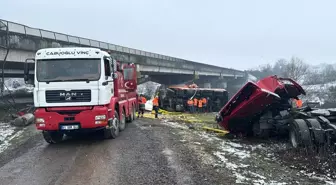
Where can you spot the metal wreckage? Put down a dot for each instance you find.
(265, 108)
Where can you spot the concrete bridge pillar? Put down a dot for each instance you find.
(207, 85)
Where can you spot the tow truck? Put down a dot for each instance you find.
(81, 89)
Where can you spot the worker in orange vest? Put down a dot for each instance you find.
(298, 103)
(190, 104)
(156, 106)
(142, 102)
(195, 104)
(204, 101)
(200, 105)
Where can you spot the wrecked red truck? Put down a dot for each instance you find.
(265, 108)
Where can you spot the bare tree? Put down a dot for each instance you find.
(312, 77)
(328, 73)
(296, 69)
(262, 71)
(280, 67)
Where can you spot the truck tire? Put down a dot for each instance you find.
(299, 134)
(122, 125)
(317, 131)
(52, 137)
(259, 132)
(113, 131)
(133, 113)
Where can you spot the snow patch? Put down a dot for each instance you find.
(16, 84)
(6, 130)
(7, 133)
(228, 147)
(325, 179)
(174, 124)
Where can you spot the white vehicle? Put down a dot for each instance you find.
(77, 89)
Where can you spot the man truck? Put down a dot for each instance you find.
(81, 89)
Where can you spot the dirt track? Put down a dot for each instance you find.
(150, 152)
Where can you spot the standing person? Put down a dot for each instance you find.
(204, 101)
(209, 104)
(156, 106)
(195, 104)
(299, 103)
(142, 102)
(200, 105)
(190, 104)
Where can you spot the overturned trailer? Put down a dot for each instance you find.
(265, 108)
(174, 98)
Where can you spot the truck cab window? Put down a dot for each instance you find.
(128, 73)
(107, 67)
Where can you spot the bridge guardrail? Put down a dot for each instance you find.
(36, 32)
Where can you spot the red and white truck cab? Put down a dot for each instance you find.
(78, 89)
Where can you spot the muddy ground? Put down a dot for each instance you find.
(224, 160)
(271, 160)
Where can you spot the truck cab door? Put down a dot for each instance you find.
(108, 84)
(130, 77)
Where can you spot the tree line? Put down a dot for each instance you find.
(298, 70)
(305, 74)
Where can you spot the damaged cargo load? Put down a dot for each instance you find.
(266, 108)
(174, 98)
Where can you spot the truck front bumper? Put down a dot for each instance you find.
(71, 118)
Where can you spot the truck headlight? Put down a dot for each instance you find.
(39, 120)
(100, 117)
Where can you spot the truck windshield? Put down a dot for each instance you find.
(52, 70)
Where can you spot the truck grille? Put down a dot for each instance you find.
(61, 96)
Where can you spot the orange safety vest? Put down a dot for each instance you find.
(190, 103)
(195, 102)
(200, 102)
(156, 102)
(143, 100)
(299, 103)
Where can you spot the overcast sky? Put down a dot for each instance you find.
(239, 33)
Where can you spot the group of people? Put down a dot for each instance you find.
(142, 102)
(197, 105)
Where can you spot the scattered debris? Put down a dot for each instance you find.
(24, 120)
(249, 161)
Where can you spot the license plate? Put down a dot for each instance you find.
(69, 127)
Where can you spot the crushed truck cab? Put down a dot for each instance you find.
(266, 108)
(81, 89)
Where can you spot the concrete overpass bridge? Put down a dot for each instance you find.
(18, 42)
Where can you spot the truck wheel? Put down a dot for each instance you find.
(113, 131)
(133, 113)
(258, 132)
(317, 132)
(52, 137)
(122, 125)
(299, 134)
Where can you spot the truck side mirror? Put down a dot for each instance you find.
(26, 76)
(114, 65)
